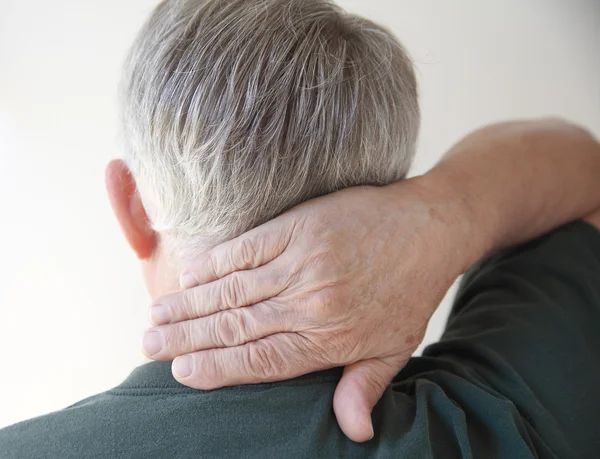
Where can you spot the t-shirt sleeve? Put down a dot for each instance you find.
(526, 322)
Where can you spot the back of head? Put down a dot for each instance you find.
(237, 110)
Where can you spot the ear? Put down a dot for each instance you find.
(129, 210)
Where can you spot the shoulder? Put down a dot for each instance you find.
(572, 250)
(57, 434)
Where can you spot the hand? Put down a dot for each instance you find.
(350, 279)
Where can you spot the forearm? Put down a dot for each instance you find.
(510, 182)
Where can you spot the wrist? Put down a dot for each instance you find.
(465, 228)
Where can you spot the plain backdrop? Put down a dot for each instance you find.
(73, 303)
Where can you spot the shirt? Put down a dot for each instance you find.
(516, 374)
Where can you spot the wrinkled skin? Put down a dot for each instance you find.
(351, 279)
(330, 283)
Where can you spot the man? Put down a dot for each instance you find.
(234, 112)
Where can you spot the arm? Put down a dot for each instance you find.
(520, 179)
(524, 327)
(352, 278)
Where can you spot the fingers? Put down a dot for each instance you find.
(250, 250)
(226, 329)
(233, 291)
(274, 358)
(357, 393)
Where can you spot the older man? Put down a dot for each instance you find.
(236, 111)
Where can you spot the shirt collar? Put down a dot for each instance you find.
(158, 375)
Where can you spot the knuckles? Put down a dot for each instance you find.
(186, 307)
(229, 329)
(178, 338)
(326, 275)
(262, 360)
(245, 254)
(232, 293)
(210, 265)
(210, 376)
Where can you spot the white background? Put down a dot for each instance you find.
(73, 304)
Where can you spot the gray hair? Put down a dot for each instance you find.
(237, 110)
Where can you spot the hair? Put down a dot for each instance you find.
(234, 111)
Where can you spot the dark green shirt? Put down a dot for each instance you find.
(515, 375)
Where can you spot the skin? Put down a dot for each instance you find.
(351, 279)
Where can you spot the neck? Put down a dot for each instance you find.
(161, 278)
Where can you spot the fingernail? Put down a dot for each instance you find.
(152, 343)
(160, 314)
(372, 432)
(188, 280)
(182, 366)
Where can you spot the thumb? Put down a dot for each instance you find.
(357, 393)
